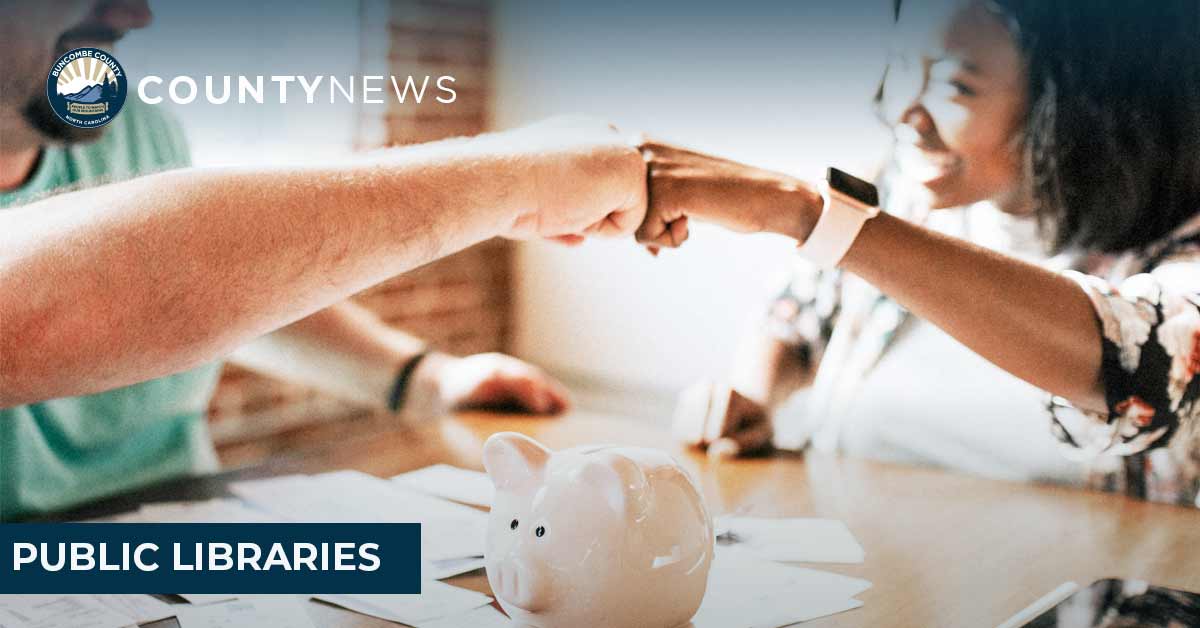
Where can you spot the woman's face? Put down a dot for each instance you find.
(955, 97)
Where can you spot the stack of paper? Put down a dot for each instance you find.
(223, 510)
(261, 611)
(482, 617)
(791, 540)
(747, 588)
(436, 602)
(443, 480)
(200, 599)
(141, 609)
(81, 611)
(452, 535)
(745, 591)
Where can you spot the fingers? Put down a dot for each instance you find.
(571, 239)
(664, 224)
(722, 421)
(495, 381)
(678, 231)
(749, 439)
(556, 396)
(529, 391)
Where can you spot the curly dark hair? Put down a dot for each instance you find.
(1112, 132)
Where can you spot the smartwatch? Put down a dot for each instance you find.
(849, 203)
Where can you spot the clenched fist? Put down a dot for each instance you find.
(583, 177)
(685, 184)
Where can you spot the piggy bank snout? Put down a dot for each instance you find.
(516, 583)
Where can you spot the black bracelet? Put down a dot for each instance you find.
(400, 386)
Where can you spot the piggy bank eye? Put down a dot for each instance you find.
(513, 525)
(540, 531)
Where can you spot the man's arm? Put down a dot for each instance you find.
(135, 280)
(345, 350)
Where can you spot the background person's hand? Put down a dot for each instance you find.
(722, 421)
(686, 184)
(586, 180)
(486, 381)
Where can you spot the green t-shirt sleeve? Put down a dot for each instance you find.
(151, 138)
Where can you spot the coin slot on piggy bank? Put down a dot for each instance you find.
(594, 536)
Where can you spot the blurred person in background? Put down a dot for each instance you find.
(118, 299)
(1066, 137)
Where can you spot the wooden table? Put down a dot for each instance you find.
(941, 549)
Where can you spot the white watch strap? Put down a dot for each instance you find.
(836, 229)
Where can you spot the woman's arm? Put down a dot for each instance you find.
(1034, 323)
(126, 282)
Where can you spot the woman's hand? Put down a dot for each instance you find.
(485, 381)
(684, 184)
(722, 421)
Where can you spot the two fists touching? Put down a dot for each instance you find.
(592, 180)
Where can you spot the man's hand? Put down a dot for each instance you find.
(485, 381)
(722, 421)
(685, 184)
(586, 180)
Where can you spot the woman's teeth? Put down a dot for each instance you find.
(925, 165)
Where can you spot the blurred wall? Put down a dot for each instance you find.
(784, 85)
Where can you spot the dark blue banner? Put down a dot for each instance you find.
(210, 558)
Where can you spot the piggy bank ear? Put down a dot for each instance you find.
(619, 481)
(513, 459)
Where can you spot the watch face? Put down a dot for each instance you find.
(852, 186)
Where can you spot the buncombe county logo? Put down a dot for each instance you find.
(86, 87)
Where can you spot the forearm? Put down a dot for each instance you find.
(168, 271)
(344, 350)
(1029, 321)
(1036, 324)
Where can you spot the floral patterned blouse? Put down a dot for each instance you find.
(1146, 443)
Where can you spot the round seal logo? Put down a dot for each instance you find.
(86, 87)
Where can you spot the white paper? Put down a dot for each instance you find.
(772, 613)
(142, 609)
(745, 591)
(276, 611)
(748, 568)
(437, 600)
(448, 530)
(58, 611)
(482, 617)
(793, 540)
(220, 510)
(442, 569)
(443, 480)
(200, 599)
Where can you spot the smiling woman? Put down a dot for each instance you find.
(960, 144)
(1050, 125)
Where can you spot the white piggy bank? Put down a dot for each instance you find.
(612, 537)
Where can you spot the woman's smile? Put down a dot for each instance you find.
(924, 161)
